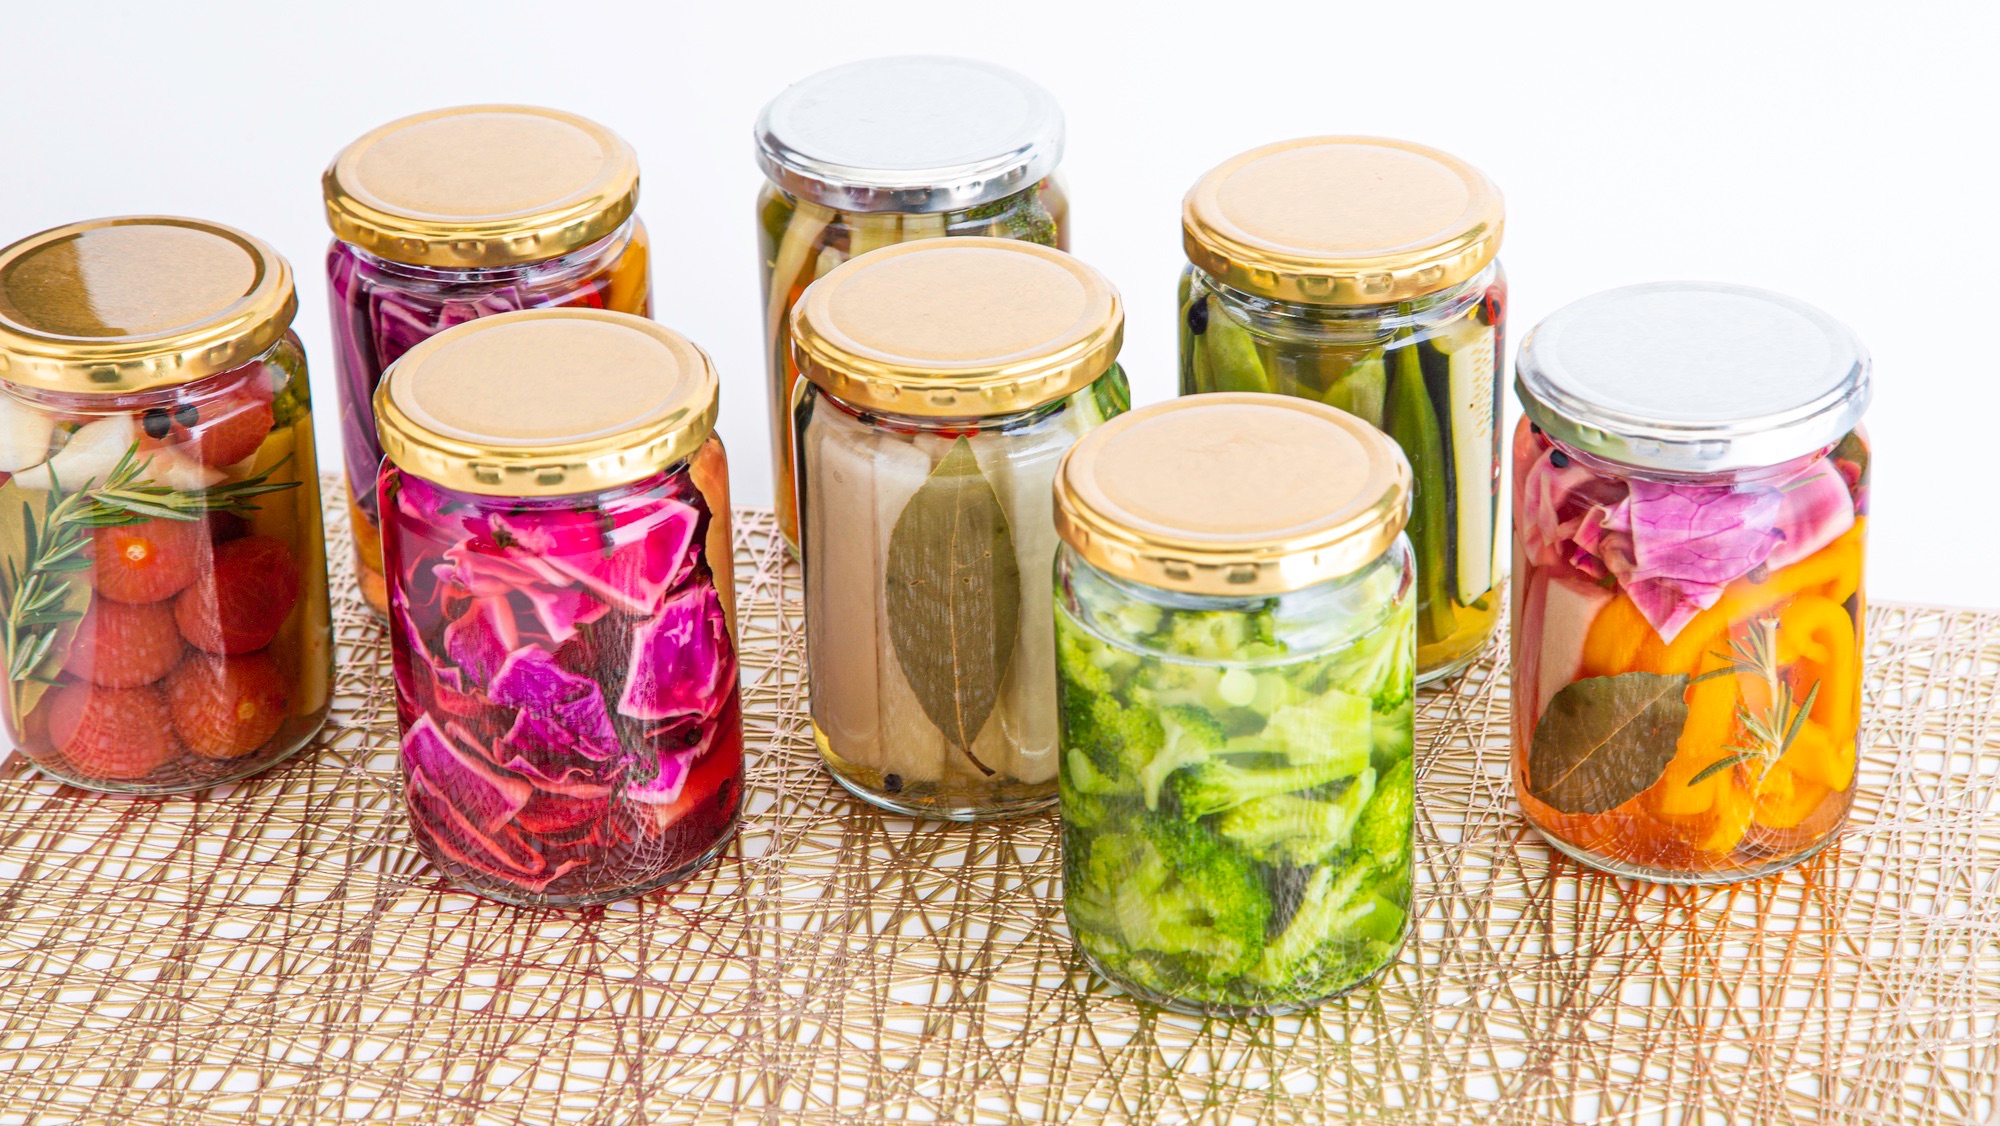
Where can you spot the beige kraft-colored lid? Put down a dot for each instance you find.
(1232, 494)
(481, 186)
(957, 328)
(1342, 221)
(117, 305)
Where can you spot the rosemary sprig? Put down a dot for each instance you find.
(1773, 729)
(36, 588)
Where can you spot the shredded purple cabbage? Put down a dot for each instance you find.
(1671, 546)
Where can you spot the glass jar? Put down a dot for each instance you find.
(1690, 512)
(167, 626)
(942, 382)
(461, 213)
(1360, 272)
(887, 151)
(556, 528)
(1235, 630)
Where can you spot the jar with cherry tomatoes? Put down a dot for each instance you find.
(162, 562)
(561, 609)
(461, 213)
(942, 382)
(1690, 517)
(1360, 272)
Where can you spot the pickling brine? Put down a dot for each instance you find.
(931, 701)
(1235, 629)
(1688, 638)
(561, 610)
(166, 616)
(943, 382)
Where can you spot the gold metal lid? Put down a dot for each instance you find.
(546, 402)
(1342, 221)
(111, 306)
(481, 186)
(957, 328)
(1232, 494)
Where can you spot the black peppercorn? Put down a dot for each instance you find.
(157, 423)
(1559, 459)
(1197, 315)
(1535, 429)
(893, 783)
(186, 414)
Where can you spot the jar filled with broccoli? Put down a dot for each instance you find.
(1235, 635)
(1360, 272)
(885, 151)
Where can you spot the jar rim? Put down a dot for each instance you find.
(481, 185)
(914, 134)
(134, 302)
(1693, 377)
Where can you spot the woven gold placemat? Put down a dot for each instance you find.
(278, 951)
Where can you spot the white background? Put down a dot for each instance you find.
(1840, 152)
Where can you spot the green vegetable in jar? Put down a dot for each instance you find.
(1236, 814)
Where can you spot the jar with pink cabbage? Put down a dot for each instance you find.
(561, 609)
(1690, 518)
(461, 213)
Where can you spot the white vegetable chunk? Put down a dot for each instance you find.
(24, 435)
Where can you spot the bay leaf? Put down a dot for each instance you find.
(1604, 740)
(954, 596)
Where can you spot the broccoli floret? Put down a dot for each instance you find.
(1332, 727)
(1393, 735)
(1342, 929)
(1191, 737)
(1381, 664)
(1092, 798)
(1218, 635)
(1087, 665)
(1384, 828)
(1296, 830)
(1166, 890)
(1120, 740)
(1222, 782)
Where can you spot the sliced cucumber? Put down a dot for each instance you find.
(1473, 393)
(1363, 391)
(1230, 354)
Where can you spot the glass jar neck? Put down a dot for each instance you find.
(1605, 467)
(194, 390)
(1311, 619)
(1434, 308)
(583, 258)
(558, 502)
(1015, 420)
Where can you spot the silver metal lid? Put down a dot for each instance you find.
(909, 133)
(1693, 377)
